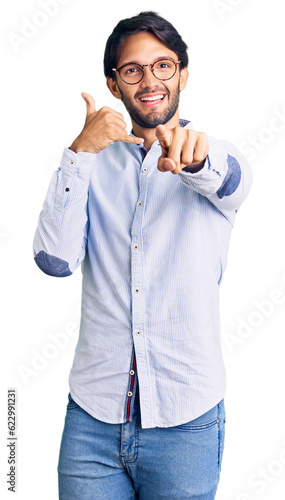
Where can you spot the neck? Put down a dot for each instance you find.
(149, 135)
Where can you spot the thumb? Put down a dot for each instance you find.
(164, 136)
(90, 103)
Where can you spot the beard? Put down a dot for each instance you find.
(152, 119)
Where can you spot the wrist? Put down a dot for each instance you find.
(75, 146)
(79, 148)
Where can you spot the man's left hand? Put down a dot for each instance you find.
(181, 148)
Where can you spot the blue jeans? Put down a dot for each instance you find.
(101, 461)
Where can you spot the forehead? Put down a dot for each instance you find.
(143, 48)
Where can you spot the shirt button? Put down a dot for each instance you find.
(138, 332)
(218, 420)
(132, 372)
(66, 189)
(72, 163)
(144, 169)
(140, 204)
(136, 247)
(130, 393)
(137, 290)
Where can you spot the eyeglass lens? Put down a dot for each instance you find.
(163, 70)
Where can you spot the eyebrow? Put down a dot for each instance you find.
(162, 58)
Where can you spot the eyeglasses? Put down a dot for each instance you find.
(132, 73)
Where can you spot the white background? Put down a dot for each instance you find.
(235, 92)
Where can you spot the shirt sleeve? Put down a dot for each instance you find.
(61, 235)
(225, 178)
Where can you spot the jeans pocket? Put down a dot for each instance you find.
(206, 420)
(71, 403)
(189, 426)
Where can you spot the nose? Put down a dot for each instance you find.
(149, 79)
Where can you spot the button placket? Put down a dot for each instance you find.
(138, 290)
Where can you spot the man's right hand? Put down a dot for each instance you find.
(101, 128)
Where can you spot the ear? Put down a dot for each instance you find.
(113, 87)
(183, 78)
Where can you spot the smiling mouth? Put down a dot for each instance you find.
(152, 100)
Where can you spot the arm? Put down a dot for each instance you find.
(225, 179)
(215, 169)
(61, 236)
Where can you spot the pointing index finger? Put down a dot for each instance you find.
(164, 135)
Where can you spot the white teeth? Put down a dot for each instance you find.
(155, 98)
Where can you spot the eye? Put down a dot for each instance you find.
(131, 70)
(164, 65)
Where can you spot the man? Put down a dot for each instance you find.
(149, 215)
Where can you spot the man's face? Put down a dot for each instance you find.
(145, 48)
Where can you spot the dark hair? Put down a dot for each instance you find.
(143, 22)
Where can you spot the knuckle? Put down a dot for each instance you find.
(192, 135)
(203, 135)
(106, 113)
(186, 160)
(109, 119)
(199, 157)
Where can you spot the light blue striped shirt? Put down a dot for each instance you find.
(153, 248)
